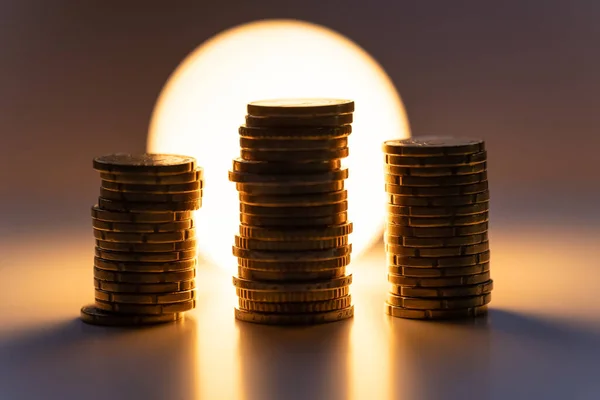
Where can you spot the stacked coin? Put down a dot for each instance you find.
(436, 237)
(292, 246)
(145, 256)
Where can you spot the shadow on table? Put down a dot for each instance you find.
(503, 355)
(72, 360)
(543, 357)
(294, 362)
(438, 360)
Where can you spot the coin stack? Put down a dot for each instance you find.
(292, 246)
(145, 256)
(436, 237)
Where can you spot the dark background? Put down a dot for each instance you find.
(80, 78)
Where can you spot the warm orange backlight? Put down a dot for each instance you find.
(204, 102)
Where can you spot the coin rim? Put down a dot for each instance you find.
(340, 106)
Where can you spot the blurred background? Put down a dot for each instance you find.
(81, 79)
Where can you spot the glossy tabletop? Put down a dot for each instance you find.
(541, 339)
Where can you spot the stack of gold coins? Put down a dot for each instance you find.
(293, 246)
(436, 237)
(145, 256)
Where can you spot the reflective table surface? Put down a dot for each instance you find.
(541, 339)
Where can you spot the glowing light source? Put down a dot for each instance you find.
(203, 103)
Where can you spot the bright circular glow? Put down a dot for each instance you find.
(204, 102)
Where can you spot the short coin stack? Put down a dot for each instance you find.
(436, 237)
(145, 256)
(292, 246)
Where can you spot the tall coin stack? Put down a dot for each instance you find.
(145, 256)
(292, 246)
(436, 237)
